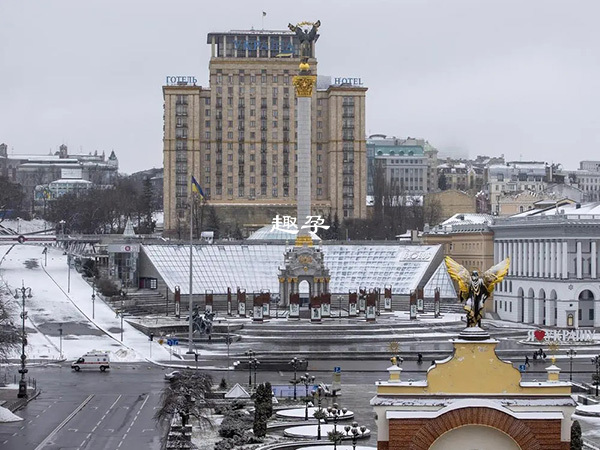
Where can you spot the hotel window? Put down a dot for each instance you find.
(207, 101)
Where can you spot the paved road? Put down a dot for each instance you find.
(89, 410)
(114, 410)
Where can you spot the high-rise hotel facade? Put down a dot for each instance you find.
(238, 136)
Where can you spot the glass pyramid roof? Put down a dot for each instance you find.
(256, 266)
(440, 279)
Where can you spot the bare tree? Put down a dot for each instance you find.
(10, 337)
(186, 395)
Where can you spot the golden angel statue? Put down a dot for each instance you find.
(473, 289)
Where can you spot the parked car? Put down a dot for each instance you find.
(172, 376)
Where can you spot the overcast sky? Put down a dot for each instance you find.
(513, 77)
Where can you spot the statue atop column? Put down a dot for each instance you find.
(306, 37)
(475, 290)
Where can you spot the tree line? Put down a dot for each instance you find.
(98, 211)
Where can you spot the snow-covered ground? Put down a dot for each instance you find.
(590, 427)
(54, 305)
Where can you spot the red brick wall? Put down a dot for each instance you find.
(419, 434)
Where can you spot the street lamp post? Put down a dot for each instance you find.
(123, 294)
(307, 380)
(596, 362)
(571, 353)
(319, 393)
(93, 298)
(228, 344)
(255, 362)
(250, 354)
(69, 269)
(60, 332)
(355, 429)
(295, 363)
(335, 412)
(23, 292)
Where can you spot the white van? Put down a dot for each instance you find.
(92, 360)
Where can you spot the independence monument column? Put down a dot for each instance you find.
(304, 84)
(304, 262)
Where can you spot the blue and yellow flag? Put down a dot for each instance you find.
(196, 188)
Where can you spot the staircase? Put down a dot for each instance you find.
(143, 302)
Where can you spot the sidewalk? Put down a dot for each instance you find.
(9, 399)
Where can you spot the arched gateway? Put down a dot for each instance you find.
(303, 263)
(473, 400)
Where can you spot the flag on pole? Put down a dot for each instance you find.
(196, 188)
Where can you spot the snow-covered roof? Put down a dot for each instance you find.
(468, 218)
(592, 210)
(70, 181)
(256, 266)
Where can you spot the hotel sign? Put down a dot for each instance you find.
(181, 81)
(350, 81)
(274, 46)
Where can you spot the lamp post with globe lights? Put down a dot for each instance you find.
(295, 363)
(307, 380)
(23, 292)
(250, 354)
(319, 413)
(252, 364)
(571, 354)
(355, 429)
(596, 376)
(335, 412)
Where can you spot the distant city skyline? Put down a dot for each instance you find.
(485, 78)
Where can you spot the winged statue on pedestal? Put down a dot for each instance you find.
(474, 289)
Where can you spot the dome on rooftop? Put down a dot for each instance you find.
(269, 233)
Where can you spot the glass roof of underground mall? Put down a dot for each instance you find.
(256, 266)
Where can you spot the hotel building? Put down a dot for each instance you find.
(238, 135)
